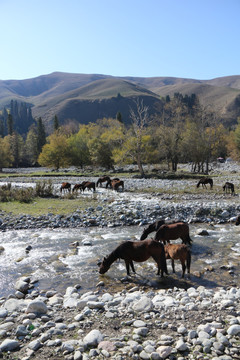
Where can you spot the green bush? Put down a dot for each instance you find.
(23, 195)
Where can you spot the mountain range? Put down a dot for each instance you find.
(88, 97)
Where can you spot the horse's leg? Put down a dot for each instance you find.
(183, 268)
(188, 262)
(127, 267)
(173, 266)
(132, 266)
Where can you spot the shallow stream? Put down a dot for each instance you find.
(55, 261)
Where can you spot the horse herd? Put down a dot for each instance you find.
(228, 187)
(156, 248)
(114, 184)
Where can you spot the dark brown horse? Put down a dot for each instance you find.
(138, 251)
(77, 187)
(168, 232)
(65, 186)
(237, 220)
(102, 180)
(204, 182)
(151, 228)
(179, 252)
(89, 185)
(228, 187)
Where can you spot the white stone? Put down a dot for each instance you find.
(93, 338)
(9, 345)
(143, 304)
(181, 345)
(37, 306)
(233, 330)
(164, 351)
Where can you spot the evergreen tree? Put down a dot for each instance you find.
(10, 124)
(119, 116)
(1, 127)
(55, 123)
(41, 135)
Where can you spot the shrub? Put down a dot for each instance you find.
(23, 195)
(44, 188)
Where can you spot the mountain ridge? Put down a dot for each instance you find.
(61, 93)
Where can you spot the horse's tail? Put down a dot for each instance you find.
(198, 184)
(61, 189)
(94, 187)
(211, 183)
(188, 240)
(98, 182)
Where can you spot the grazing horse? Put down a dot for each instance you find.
(89, 185)
(151, 228)
(102, 180)
(205, 181)
(228, 187)
(179, 252)
(138, 251)
(77, 187)
(110, 182)
(115, 184)
(173, 231)
(65, 186)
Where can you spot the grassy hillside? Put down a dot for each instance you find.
(88, 97)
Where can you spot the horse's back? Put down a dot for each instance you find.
(176, 251)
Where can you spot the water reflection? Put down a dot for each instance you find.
(56, 263)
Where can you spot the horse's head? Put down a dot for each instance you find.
(144, 234)
(103, 266)
(237, 220)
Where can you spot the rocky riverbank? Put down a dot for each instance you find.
(196, 323)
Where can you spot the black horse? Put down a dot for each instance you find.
(228, 187)
(204, 181)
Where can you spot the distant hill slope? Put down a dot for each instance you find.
(88, 97)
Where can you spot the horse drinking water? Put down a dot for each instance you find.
(138, 251)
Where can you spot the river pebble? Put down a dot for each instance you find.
(146, 325)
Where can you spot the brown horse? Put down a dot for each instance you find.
(77, 187)
(102, 180)
(179, 252)
(138, 251)
(65, 186)
(151, 228)
(173, 231)
(228, 187)
(89, 185)
(204, 181)
(111, 181)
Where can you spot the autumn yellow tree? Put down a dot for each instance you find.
(56, 152)
(6, 158)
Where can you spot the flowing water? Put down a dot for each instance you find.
(55, 261)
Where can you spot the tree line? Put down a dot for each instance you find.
(185, 132)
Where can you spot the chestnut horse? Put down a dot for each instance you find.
(138, 251)
(228, 187)
(179, 252)
(102, 180)
(173, 231)
(65, 186)
(205, 181)
(89, 185)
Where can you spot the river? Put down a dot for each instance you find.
(55, 262)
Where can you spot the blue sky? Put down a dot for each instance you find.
(181, 38)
